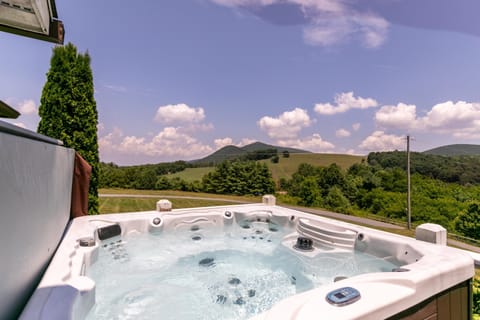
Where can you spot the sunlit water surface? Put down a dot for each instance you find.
(207, 274)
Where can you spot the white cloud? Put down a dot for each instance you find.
(313, 143)
(220, 143)
(329, 22)
(27, 107)
(343, 103)
(401, 116)
(372, 29)
(327, 32)
(459, 119)
(245, 141)
(109, 142)
(330, 29)
(167, 144)
(356, 126)
(342, 133)
(100, 127)
(351, 151)
(179, 113)
(287, 125)
(380, 141)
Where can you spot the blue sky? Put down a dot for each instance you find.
(178, 79)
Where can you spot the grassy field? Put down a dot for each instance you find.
(191, 174)
(287, 166)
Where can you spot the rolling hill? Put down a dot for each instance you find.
(285, 167)
(232, 152)
(456, 150)
(257, 146)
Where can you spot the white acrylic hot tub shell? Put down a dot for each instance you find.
(64, 293)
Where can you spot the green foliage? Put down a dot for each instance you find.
(286, 154)
(260, 154)
(275, 159)
(331, 176)
(370, 189)
(336, 200)
(293, 186)
(239, 178)
(468, 222)
(309, 193)
(138, 177)
(163, 183)
(146, 179)
(68, 109)
(476, 297)
(459, 169)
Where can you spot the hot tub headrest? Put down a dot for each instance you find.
(109, 231)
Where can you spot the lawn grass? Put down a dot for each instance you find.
(166, 193)
(185, 200)
(120, 205)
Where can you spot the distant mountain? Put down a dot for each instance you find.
(233, 152)
(456, 150)
(257, 146)
(225, 153)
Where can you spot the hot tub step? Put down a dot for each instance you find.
(327, 234)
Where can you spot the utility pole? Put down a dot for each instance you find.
(409, 209)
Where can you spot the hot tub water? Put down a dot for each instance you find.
(206, 273)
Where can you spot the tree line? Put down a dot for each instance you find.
(456, 169)
(366, 189)
(229, 177)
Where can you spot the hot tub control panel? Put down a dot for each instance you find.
(343, 296)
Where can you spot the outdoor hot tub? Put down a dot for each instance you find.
(254, 261)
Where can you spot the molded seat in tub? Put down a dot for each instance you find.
(327, 234)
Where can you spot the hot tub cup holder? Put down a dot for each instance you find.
(86, 242)
(304, 244)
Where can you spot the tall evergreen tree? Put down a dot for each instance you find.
(68, 109)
